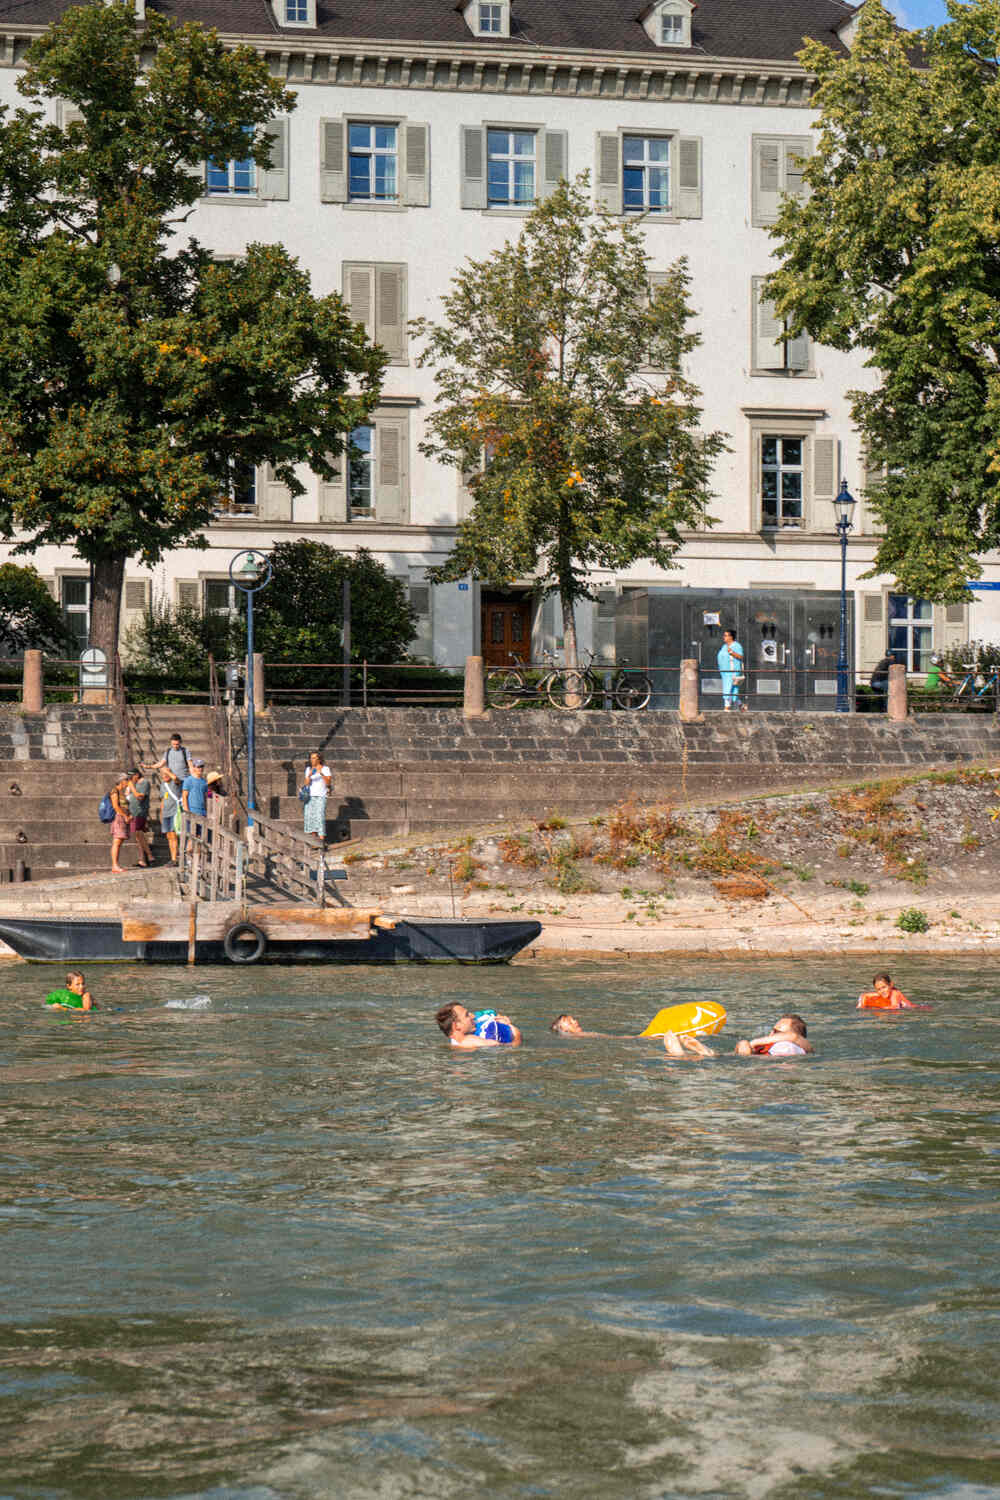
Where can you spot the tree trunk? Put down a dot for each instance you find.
(569, 631)
(106, 604)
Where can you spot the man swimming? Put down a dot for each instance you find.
(459, 1026)
(787, 1038)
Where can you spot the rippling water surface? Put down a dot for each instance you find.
(265, 1237)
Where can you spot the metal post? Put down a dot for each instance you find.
(843, 704)
(345, 633)
(251, 781)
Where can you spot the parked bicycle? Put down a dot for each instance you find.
(565, 687)
(976, 685)
(568, 687)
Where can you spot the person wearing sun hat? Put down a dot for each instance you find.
(213, 785)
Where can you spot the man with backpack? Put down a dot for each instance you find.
(173, 766)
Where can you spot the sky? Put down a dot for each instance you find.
(914, 13)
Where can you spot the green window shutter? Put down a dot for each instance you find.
(608, 173)
(390, 311)
(824, 487)
(688, 177)
(416, 167)
(766, 193)
(873, 636)
(795, 152)
(333, 492)
(272, 182)
(473, 167)
(359, 294)
(555, 155)
(768, 350)
(332, 161)
(274, 499)
(392, 498)
(954, 626)
(135, 596)
(797, 352)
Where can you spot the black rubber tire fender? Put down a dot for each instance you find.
(235, 939)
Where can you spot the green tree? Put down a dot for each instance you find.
(896, 252)
(137, 378)
(30, 619)
(299, 616)
(174, 641)
(576, 456)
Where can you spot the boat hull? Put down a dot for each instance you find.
(411, 940)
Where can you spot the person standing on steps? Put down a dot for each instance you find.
(120, 825)
(318, 778)
(731, 664)
(137, 796)
(173, 766)
(194, 791)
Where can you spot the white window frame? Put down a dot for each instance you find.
(787, 149)
(909, 624)
(233, 501)
(373, 153)
(75, 610)
(654, 17)
(286, 22)
(645, 166)
(780, 468)
(511, 157)
(231, 190)
(362, 462)
(490, 18)
(233, 602)
(820, 467)
(472, 12)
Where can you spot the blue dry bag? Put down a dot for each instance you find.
(105, 809)
(489, 1027)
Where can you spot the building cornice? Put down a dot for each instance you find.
(466, 68)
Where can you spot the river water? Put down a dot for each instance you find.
(265, 1237)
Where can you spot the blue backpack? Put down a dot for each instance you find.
(106, 810)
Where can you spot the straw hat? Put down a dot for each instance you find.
(212, 777)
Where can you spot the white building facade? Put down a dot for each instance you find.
(420, 138)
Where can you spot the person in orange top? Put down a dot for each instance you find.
(884, 996)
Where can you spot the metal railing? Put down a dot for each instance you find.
(370, 684)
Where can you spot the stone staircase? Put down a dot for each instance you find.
(152, 724)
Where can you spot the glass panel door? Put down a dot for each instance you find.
(817, 637)
(767, 644)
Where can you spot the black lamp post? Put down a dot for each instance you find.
(843, 504)
(250, 572)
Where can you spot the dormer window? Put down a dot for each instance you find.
(289, 13)
(488, 18)
(668, 23)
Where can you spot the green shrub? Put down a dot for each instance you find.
(913, 920)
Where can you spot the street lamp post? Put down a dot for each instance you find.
(250, 572)
(843, 504)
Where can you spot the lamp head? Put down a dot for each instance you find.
(249, 571)
(843, 504)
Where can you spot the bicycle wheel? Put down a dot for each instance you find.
(633, 690)
(504, 687)
(570, 688)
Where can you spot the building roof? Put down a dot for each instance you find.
(754, 29)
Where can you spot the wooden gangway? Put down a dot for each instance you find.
(265, 860)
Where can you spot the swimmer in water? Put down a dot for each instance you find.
(787, 1038)
(685, 1047)
(566, 1025)
(459, 1026)
(76, 995)
(883, 996)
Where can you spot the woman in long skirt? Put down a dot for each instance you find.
(317, 783)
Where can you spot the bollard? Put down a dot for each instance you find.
(474, 702)
(32, 687)
(20, 871)
(259, 692)
(688, 705)
(897, 691)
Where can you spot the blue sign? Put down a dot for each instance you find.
(463, 588)
(981, 588)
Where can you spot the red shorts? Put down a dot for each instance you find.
(137, 824)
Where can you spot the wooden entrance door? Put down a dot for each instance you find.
(506, 630)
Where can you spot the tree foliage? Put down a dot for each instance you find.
(896, 252)
(577, 456)
(136, 375)
(299, 616)
(30, 619)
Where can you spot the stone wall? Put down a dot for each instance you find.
(65, 731)
(411, 770)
